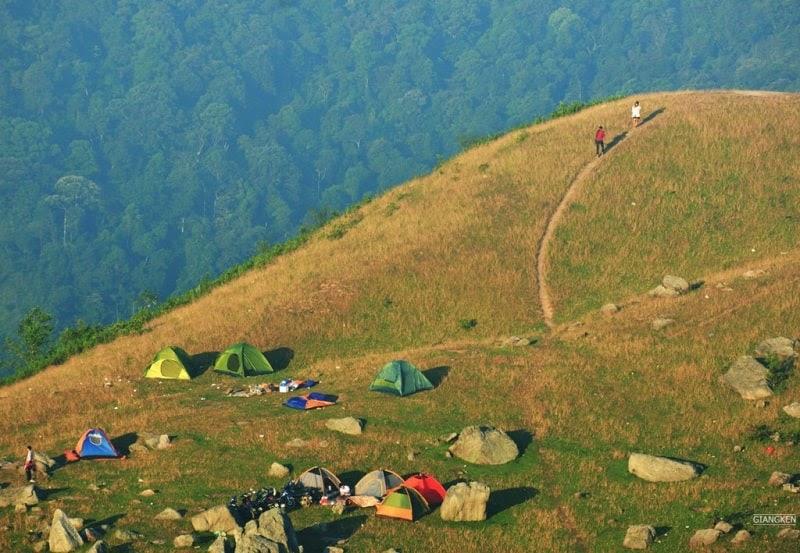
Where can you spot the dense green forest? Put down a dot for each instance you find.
(146, 145)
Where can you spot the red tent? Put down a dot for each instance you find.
(428, 487)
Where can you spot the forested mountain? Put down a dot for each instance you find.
(147, 144)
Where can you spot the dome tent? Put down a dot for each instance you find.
(170, 363)
(242, 359)
(400, 378)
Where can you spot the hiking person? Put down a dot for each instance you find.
(599, 141)
(30, 465)
(636, 113)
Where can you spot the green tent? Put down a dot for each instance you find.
(400, 378)
(171, 362)
(242, 360)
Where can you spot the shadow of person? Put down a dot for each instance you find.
(652, 115)
(279, 358)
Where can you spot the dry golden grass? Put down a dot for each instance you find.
(460, 243)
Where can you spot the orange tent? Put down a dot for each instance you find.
(428, 487)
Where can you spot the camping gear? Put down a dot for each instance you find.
(428, 486)
(314, 400)
(404, 503)
(378, 483)
(95, 444)
(171, 363)
(400, 378)
(250, 505)
(242, 359)
(320, 483)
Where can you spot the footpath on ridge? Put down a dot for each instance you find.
(543, 250)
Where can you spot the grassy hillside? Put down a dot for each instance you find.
(394, 280)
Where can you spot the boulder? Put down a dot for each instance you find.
(704, 537)
(661, 323)
(609, 309)
(77, 523)
(662, 292)
(27, 495)
(215, 519)
(147, 493)
(779, 348)
(680, 285)
(183, 541)
(278, 470)
(346, 425)
(151, 440)
(724, 527)
(661, 469)
(741, 537)
(789, 534)
(640, 536)
(465, 502)
(168, 514)
(257, 544)
(484, 445)
(448, 438)
(778, 479)
(221, 545)
(63, 536)
(749, 378)
(793, 409)
(277, 527)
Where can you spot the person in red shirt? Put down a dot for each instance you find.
(599, 141)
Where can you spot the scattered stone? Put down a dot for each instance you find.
(741, 537)
(484, 445)
(793, 409)
(792, 488)
(465, 502)
(391, 550)
(27, 495)
(640, 536)
(63, 536)
(168, 514)
(701, 538)
(151, 440)
(254, 543)
(724, 527)
(749, 275)
(661, 469)
(346, 425)
(448, 438)
(662, 292)
(448, 454)
(77, 523)
(515, 342)
(661, 323)
(778, 479)
(40, 546)
(20, 508)
(789, 534)
(297, 442)
(147, 493)
(220, 545)
(183, 541)
(277, 470)
(216, 519)
(780, 348)
(775, 437)
(411, 455)
(749, 378)
(581, 495)
(277, 527)
(609, 309)
(333, 549)
(680, 285)
(761, 404)
(127, 535)
(737, 448)
(138, 448)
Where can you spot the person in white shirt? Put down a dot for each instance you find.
(30, 465)
(636, 113)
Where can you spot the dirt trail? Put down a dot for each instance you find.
(543, 251)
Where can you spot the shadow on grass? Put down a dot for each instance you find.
(437, 375)
(501, 500)
(108, 521)
(662, 530)
(652, 115)
(624, 134)
(316, 538)
(51, 493)
(351, 477)
(124, 548)
(522, 438)
(279, 358)
(202, 362)
(123, 443)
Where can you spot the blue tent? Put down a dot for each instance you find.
(95, 444)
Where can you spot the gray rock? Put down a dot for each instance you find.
(183, 541)
(20, 508)
(215, 519)
(749, 378)
(99, 547)
(741, 537)
(164, 442)
(168, 514)
(789, 534)
(147, 493)
(27, 495)
(448, 438)
(277, 470)
(724, 527)
(221, 545)
(704, 537)
(277, 527)
(778, 479)
(793, 409)
(661, 323)
(515, 341)
(63, 536)
(297, 442)
(127, 535)
(640, 536)
(661, 469)
(484, 445)
(754, 274)
(780, 348)
(680, 285)
(465, 502)
(257, 544)
(609, 309)
(346, 425)
(791, 488)
(333, 549)
(662, 292)
(77, 523)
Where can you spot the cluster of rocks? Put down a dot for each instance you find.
(672, 286)
(67, 534)
(787, 482)
(708, 536)
(749, 375)
(271, 533)
(149, 441)
(484, 445)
